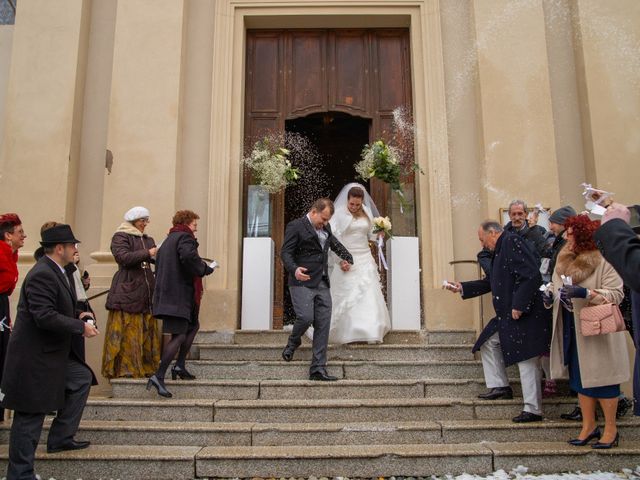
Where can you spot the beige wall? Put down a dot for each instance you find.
(6, 44)
(512, 99)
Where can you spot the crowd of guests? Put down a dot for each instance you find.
(54, 317)
(540, 282)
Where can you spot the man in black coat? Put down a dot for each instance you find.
(305, 250)
(518, 224)
(620, 246)
(41, 373)
(521, 330)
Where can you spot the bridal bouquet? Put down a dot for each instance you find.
(382, 224)
(270, 166)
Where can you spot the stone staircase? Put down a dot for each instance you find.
(404, 408)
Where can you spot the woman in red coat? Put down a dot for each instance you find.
(13, 236)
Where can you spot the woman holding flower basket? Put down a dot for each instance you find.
(359, 312)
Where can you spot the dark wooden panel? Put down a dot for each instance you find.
(306, 72)
(349, 71)
(264, 71)
(390, 75)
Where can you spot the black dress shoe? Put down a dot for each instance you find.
(527, 417)
(181, 372)
(159, 385)
(581, 443)
(322, 377)
(287, 354)
(575, 415)
(495, 393)
(70, 445)
(603, 446)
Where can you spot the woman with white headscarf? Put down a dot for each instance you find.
(359, 312)
(132, 338)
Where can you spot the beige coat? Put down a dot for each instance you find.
(603, 358)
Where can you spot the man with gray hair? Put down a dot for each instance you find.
(518, 224)
(521, 330)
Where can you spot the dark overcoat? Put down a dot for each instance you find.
(302, 248)
(514, 284)
(39, 348)
(132, 285)
(177, 264)
(620, 246)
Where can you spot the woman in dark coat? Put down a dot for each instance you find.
(12, 235)
(132, 339)
(176, 300)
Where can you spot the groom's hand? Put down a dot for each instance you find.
(345, 266)
(300, 275)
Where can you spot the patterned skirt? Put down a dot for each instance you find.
(131, 345)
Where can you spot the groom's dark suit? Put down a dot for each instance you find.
(304, 246)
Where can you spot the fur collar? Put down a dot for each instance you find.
(126, 227)
(578, 267)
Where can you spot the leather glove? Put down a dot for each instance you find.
(573, 291)
(547, 298)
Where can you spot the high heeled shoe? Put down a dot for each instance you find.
(158, 383)
(603, 446)
(581, 443)
(181, 372)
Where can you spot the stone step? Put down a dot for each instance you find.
(340, 433)
(409, 460)
(279, 337)
(312, 411)
(353, 370)
(113, 461)
(306, 389)
(382, 410)
(405, 352)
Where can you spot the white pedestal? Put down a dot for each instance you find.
(403, 283)
(257, 284)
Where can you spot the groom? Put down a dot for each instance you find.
(304, 254)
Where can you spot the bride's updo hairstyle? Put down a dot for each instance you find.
(356, 192)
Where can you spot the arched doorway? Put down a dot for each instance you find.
(337, 139)
(292, 75)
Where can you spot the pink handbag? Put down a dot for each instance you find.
(601, 319)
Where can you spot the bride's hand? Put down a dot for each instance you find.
(345, 266)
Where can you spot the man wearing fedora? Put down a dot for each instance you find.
(41, 373)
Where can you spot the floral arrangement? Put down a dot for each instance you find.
(381, 161)
(382, 224)
(269, 163)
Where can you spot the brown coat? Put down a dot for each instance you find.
(603, 358)
(132, 285)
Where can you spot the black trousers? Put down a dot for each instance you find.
(27, 427)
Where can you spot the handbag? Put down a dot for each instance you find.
(601, 319)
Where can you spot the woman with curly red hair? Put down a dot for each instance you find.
(13, 236)
(595, 365)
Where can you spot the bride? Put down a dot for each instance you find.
(359, 312)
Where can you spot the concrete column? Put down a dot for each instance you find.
(515, 98)
(43, 113)
(144, 118)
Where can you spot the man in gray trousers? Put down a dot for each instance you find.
(307, 241)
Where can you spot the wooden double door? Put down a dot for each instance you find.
(296, 74)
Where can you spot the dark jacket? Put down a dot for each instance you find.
(535, 237)
(132, 285)
(40, 343)
(514, 283)
(177, 263)
(301, 248)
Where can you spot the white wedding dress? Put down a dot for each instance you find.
(359, 312)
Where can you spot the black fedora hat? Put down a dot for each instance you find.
(58, 234)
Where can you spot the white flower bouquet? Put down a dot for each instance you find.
(382, 224)
(269, 164)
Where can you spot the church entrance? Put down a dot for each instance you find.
(336, 140)
(337, 87)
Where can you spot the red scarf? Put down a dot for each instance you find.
(197, 281)
(8, 268)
